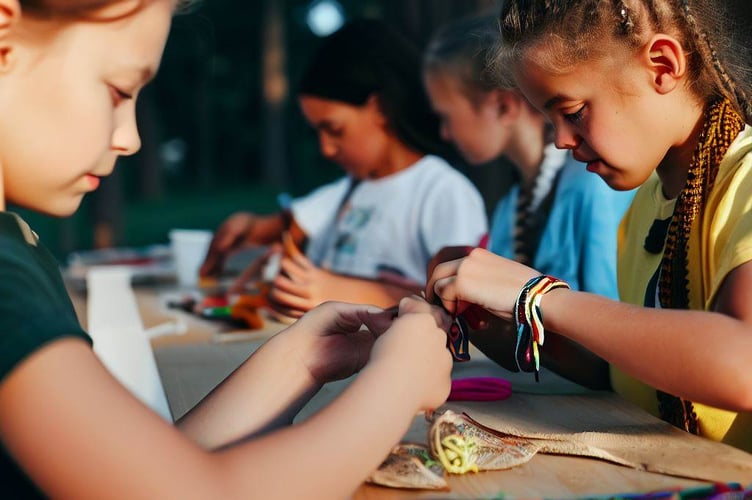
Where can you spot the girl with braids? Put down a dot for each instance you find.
(68, 429)
(646, 93)
(556, 217)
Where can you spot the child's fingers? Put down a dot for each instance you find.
(442, 275)
(291, 249)
(287, 305)
(292, 269)
(283, 284)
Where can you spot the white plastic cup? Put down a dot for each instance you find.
(189, 247)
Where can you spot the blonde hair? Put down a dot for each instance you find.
(570, 31)
(463, 50)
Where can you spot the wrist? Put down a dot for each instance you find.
(528, 317)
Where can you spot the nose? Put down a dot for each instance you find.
(565, 137)
(125, 138)
(327, 146)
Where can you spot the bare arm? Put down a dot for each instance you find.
(698, 355)
(63, 397)
(559, 354)
(301, 286)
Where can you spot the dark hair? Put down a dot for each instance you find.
(464, 49)
(574, 30)
(368, 57)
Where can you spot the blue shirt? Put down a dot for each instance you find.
(578, 240)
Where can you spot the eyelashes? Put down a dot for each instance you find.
(575, 117)
(119, 95)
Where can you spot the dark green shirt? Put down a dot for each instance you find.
(34, 310)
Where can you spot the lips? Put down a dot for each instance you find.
(582, 159)
(93, 181)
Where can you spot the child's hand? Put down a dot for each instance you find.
(300, 286)
(230, 236)
(482, 278)
(337, 338)
(446, 254)
(414, 348)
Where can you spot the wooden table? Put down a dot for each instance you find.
(191, 364)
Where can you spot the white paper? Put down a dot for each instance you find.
(120, 340)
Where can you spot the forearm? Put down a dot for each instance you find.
(365, 291)
(558, 354)
(702, 356)
(259, 396)
(330, 454)
(267, 229)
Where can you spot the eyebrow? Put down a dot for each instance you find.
(553, 102)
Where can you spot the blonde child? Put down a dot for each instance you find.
(644, 93)
(368, 236)
(67, 428)
(557, 217)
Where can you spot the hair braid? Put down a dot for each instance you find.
(725, 82)
(722, 125)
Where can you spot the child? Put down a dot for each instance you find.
(67, 428)
(370, 234)
(636, 88)
(557, 218)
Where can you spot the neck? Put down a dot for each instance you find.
(674, 166)
(397, 156)
(526, 146)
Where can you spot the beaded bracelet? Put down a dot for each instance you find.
(529, 321)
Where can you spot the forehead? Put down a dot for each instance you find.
(542, 85)
(134, 41)
(318, 109)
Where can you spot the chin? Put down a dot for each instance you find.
(60, 209)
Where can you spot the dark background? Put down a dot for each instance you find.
(219, 128)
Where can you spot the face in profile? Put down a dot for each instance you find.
(354, 137)
(474, 125)
(608, 113)
(71, 91)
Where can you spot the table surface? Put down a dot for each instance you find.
(192, 363)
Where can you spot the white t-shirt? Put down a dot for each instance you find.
(392, 225)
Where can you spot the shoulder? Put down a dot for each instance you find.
(17, 245)
(441, 174)
(34, 305)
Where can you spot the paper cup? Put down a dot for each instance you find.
(189, 247)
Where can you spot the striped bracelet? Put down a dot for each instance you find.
(528, 319)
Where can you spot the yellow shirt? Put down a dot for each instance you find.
(720, 241)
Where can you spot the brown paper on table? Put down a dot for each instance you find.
(617, 432)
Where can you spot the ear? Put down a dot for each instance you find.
(507, 104)
(10, 13)
(373, 104)
(666, 61)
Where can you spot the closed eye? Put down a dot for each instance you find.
(576, 116)
(119, 95)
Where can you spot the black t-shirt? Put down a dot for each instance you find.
(34, 310)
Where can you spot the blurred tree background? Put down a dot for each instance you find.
(220, 127)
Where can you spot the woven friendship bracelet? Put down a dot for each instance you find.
(529, 321)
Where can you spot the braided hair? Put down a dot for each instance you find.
(577, 30)
(569, 30)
